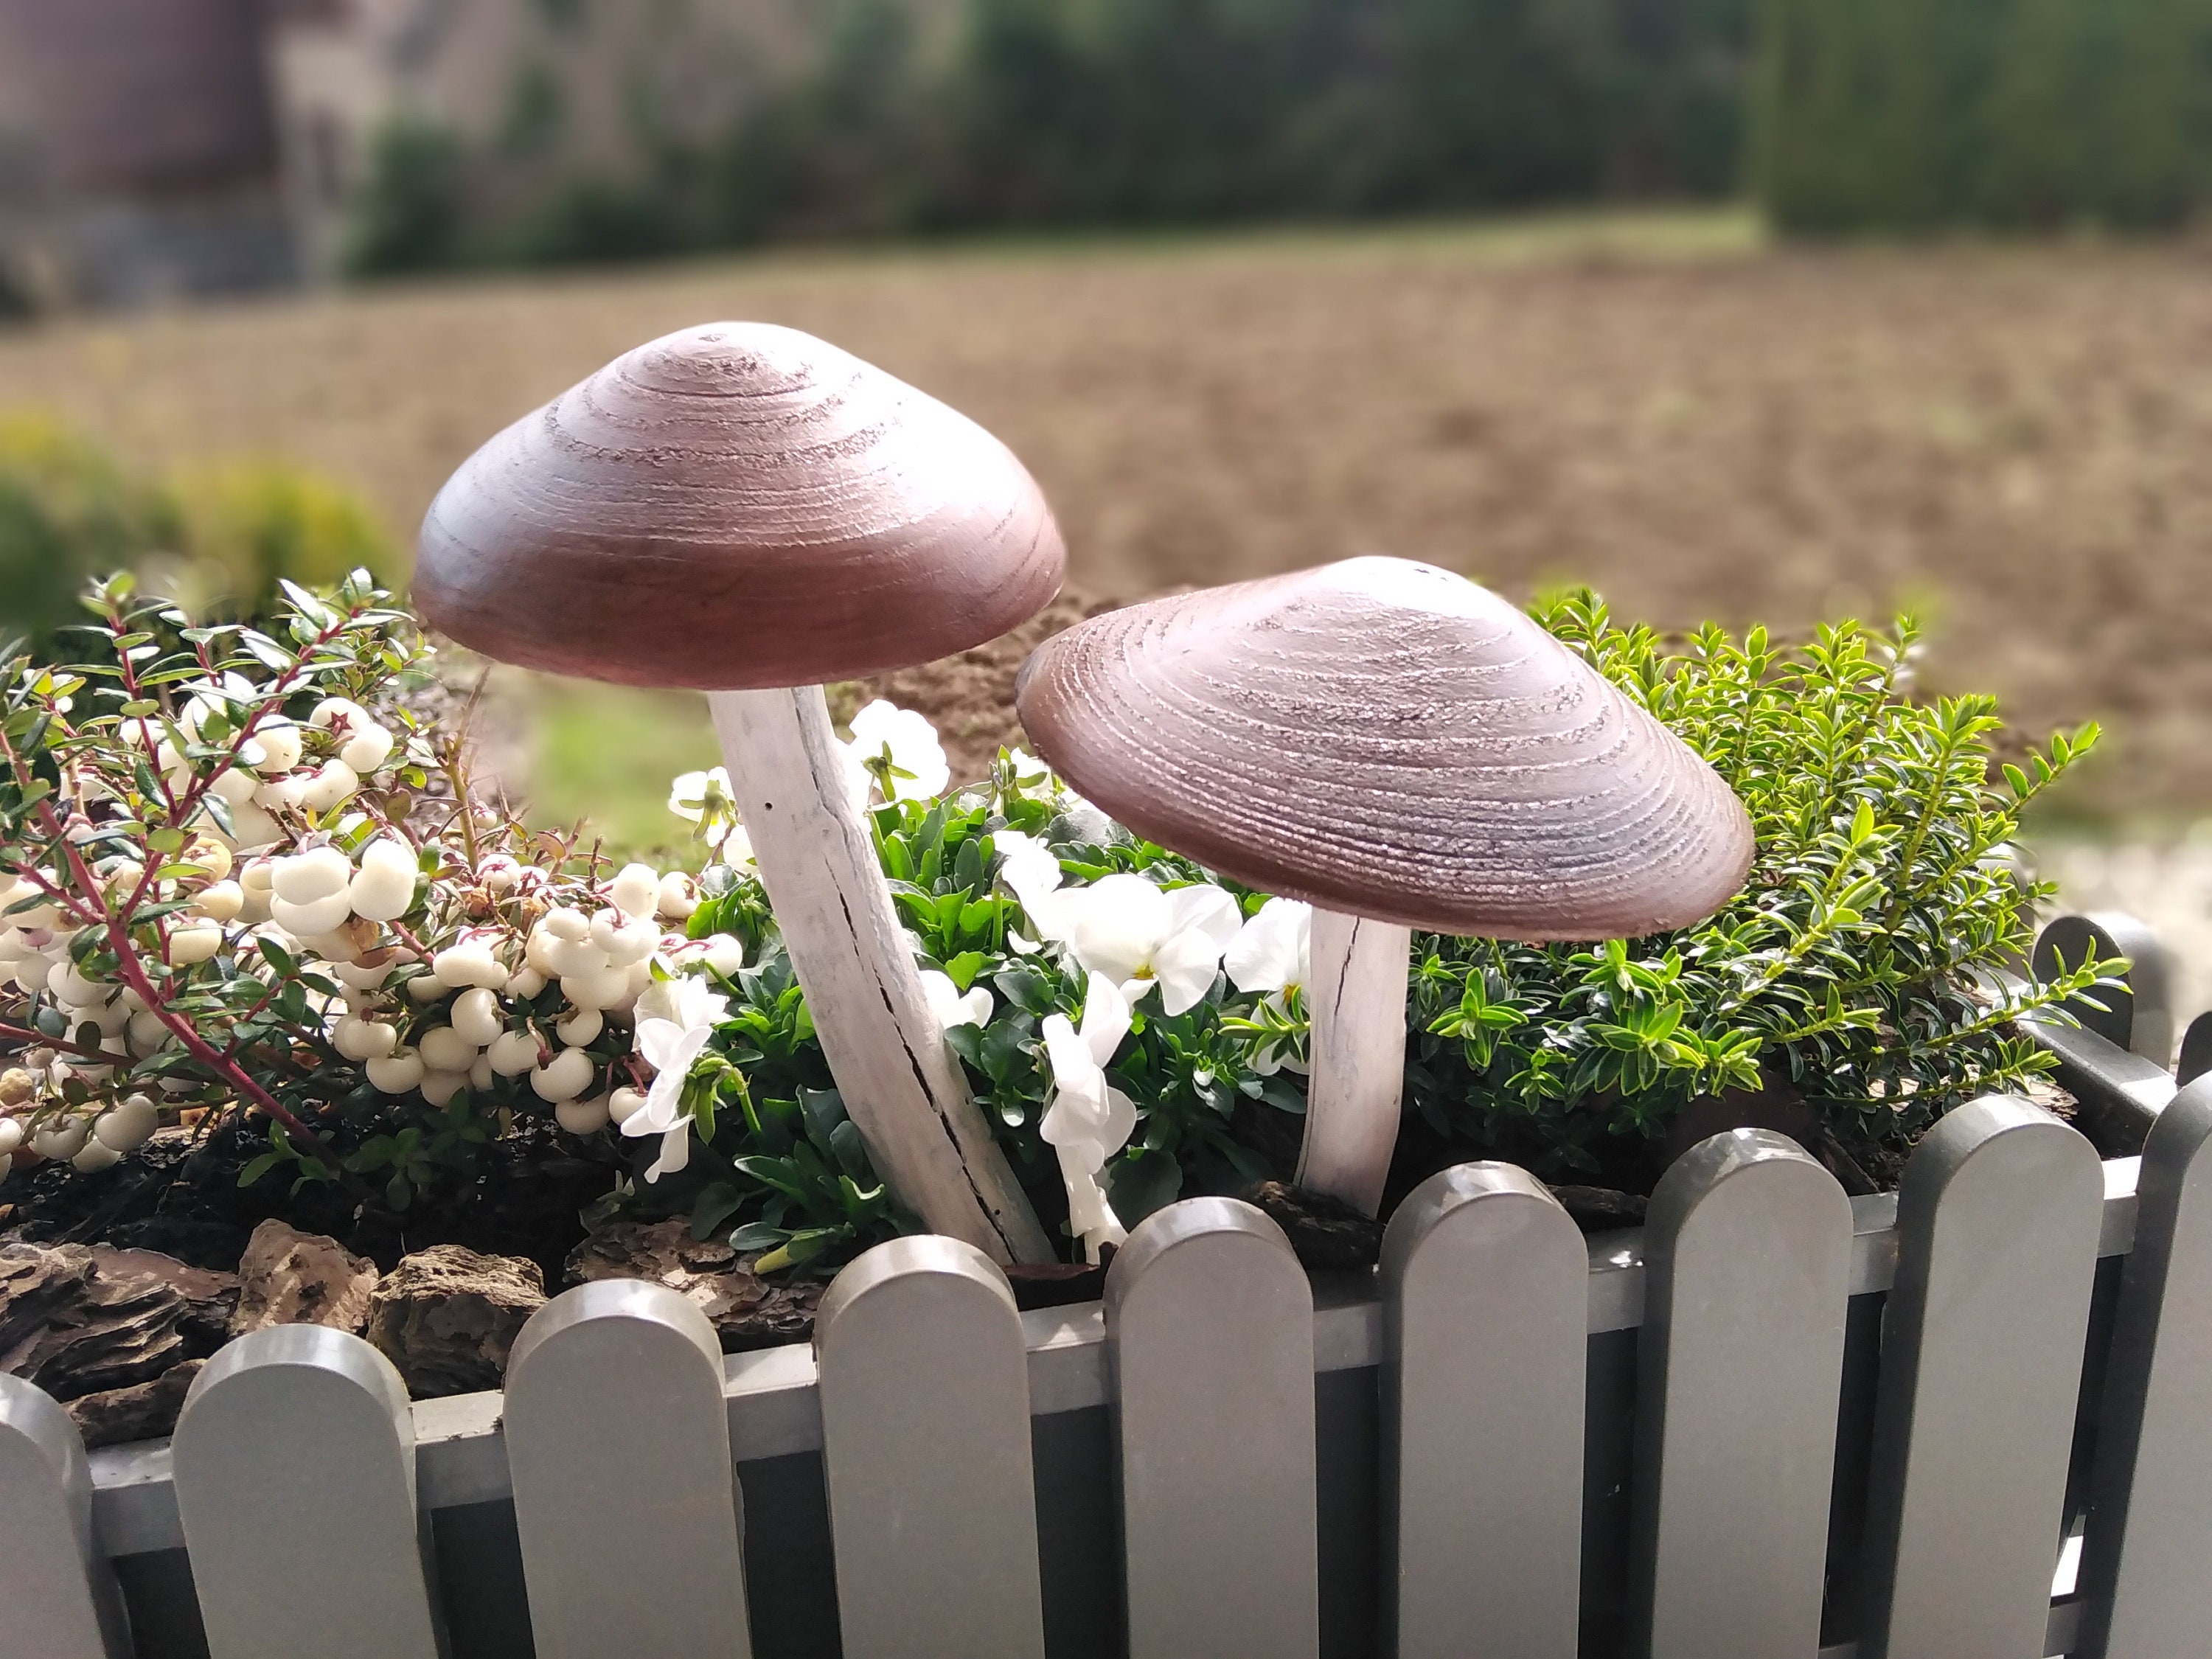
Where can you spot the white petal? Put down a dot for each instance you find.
(1120, 922)
(1072, 1065)
(1105, 1018)
(656, 1039)
(675, 1151)
(1206, 908)
(975, 1007)
(1185, 967)
(1119, 1121)
(1269, 950)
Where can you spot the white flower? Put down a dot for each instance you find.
(1137, 935)
(670, 1046)
(1088, 1119)
(949, 1006)
(1030, 871)
(705, 799)
(897, 749)
(1272, 953)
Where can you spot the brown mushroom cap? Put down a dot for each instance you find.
(1388, 740)
(737, 507)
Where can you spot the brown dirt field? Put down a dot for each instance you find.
(2018, 439)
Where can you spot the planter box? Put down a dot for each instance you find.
(1696, 1439)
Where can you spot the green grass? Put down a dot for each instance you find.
(606, 753)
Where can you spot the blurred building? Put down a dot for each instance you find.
(151, 147)
(139, 152)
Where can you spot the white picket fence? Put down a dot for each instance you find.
(1970, 1420)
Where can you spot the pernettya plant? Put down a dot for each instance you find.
(231, 889)
(1862, 967)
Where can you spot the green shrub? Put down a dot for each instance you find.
(68, 512)
(1923, 114)
(408, 215)
(1857, 970)
(219, 536)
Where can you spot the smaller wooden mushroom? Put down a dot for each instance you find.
(745, 510)
(1402, 749)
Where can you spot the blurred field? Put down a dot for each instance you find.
(2018, 439)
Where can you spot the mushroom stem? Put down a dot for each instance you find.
(900, 1082)
(1356, 994)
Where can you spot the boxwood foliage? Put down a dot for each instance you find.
(1863, 966)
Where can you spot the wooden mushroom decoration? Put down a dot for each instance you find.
(745, 510)
(1402, 749)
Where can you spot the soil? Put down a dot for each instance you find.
(179, 1195)
(2019, 438)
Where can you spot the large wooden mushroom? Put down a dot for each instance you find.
(1402, 749)
(744, 510)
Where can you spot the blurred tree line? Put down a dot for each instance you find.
(2016, 115)
(1069, 113)
(1842, 116)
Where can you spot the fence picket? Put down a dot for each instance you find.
(616, 1435)
(57, 1597)
(1209, 1326)
(295, 1469)
(2147, 1594)
(1748, 1248)
(925, 1448)
(1998, 1216)
(1484, 1281)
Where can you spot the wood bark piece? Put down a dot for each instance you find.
(78, 1321)
(746, 1311)
(290, 1277)
(447, 1318)
(145, 1411)
(901, 1084)
(1356, 1000)
(1326, 1232)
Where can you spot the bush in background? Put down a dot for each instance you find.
(1108, 112)
(1923, 114)
(218, 537)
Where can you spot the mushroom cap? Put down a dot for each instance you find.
(1388, 740)
(737, 507)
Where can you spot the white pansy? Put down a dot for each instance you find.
(1030, 871)
(1140, 935)
(671, 1045)
(704, 798)
(887, 736)
(1088, 1119)
(949, 1007)
(1272, 953)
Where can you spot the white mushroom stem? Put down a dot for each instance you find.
(901, 1083)
(1356, 995)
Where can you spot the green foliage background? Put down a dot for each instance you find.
(217, 536)
(1055, 113)
(1919, 114)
